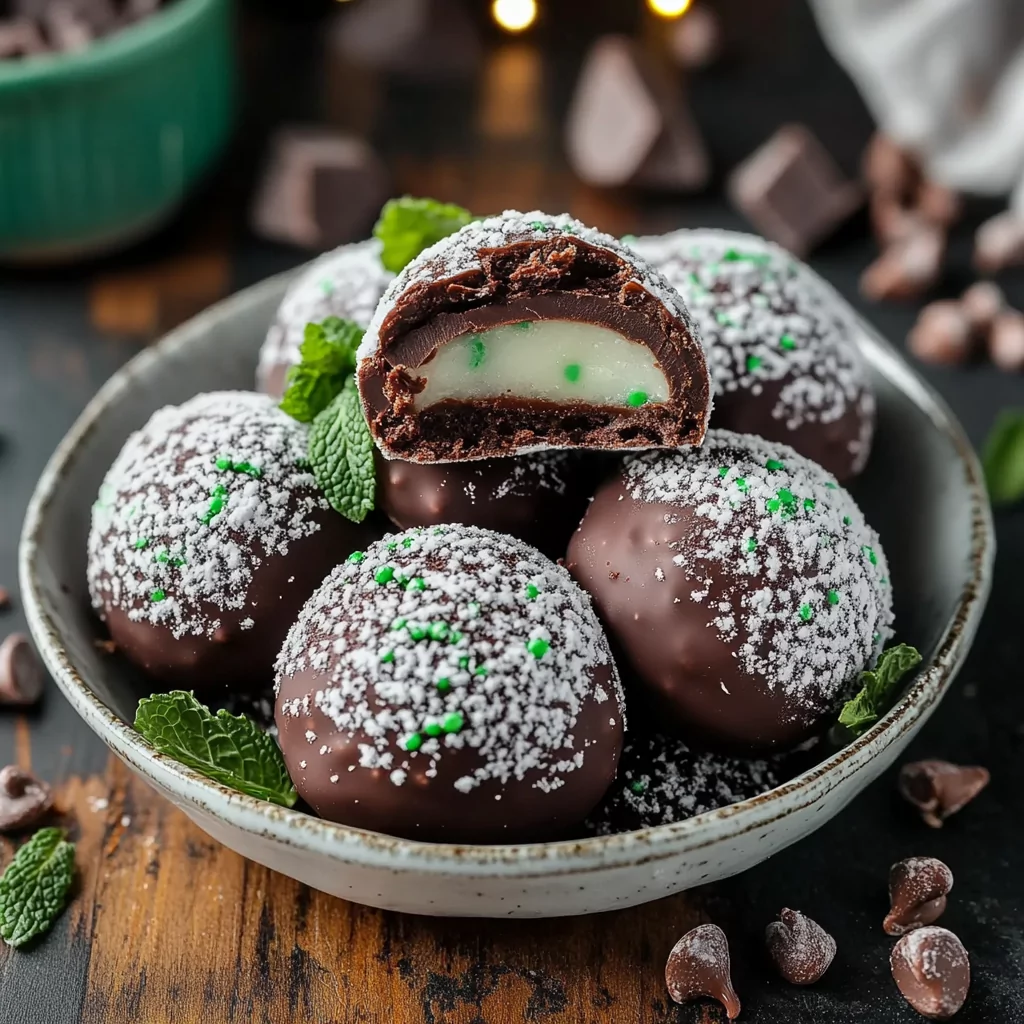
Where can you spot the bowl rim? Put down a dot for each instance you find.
(348, 845)
(108, 54)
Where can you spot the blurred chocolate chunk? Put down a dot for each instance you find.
(319, 189)
(943, 334)
(982, 303)
(1006, 341)
(799, 947)
(938, 788)
(628, 124)
(999, 242)
(889, 169)
(24, 799)
(64, 26)
(20, 37)
(932, 970)
(22, 676)
(918, 888)
(66, 29)
(699, 968)
(695, 41)
(418, 39)
(5, 599)
(938, 204)
(792, 191)
(908, 267)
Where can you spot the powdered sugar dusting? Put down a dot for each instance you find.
(193, 505)
(453, 637)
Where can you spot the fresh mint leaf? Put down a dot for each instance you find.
(341, 454)
(1003, 458)
(227, 748)
(35, 885)
(327, 357)
(877, 687)
(407, 226)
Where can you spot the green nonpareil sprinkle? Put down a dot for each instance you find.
(464, 663)
(809, 503)
(474, 609)
(639, 787)
(402, 580)
(141, 543)
(454, 637)
(806, 612)
(741, 483)
(751, 543)
(477, 352)
(786, 343)
(628, 239)
(539, 225)
(217, 496)
(774, 465)
(393, 546)
(524, 325)
(833, 597)
(735, 256)
(572, 372)
(327, 287)
(413, 742)
(538, 647)
(884, 580)
(416, 583)
(417, 632)
(432, 728)
(831, 486)
(724, 319)
(387, 657)
(438, 631)
(157, 596)
(531, 591)
(452, 722)
(398, 624)
(723, 471)
(753, 363)
(407, 542)
(356, 557)
(870, 553)
(443, 685)
(847, 520)
(481, 670)
(636, 399)
(240, 467)
(385, 574)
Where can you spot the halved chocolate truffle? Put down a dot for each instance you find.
(208, 536)
(526, 332)
(346, 282)
(741, 582)
(780, 345)
(452, 684)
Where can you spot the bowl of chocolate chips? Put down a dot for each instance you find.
(498, 567)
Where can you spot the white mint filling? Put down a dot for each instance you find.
(559, 361)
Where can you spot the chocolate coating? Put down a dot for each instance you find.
(742, 585)
(450, 684)
(699, 967)
(781, 348)
(511, 269)
(932, 970)
(918, 887)
(203, 601)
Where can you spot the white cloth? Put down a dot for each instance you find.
(944, 78)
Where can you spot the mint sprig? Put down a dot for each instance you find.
(407, 226)
(1003, 458)
(341, 454)
(227, 748)
(326, 358)
(35, 885)
(859, 714)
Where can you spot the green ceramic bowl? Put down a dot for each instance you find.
(99, 147)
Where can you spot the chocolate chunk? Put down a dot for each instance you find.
(792, 191)
(891, 220)
(943, 333)
(938, 204)
(932, 970)
(982, 303)
(22, 676)
(889, 169)
(908, 267)
(999, 242)
(698, 968)
(319, 188)
(5, 599)
(66, 29)
(918, 888)
(938, 789)
(696, 40)
(799, 947)
(20, 37)
(24, 799)
(628, 125)
(1006, 341)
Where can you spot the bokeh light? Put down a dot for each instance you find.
(669, 8)
(514, 15)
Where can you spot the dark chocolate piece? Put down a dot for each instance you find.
(799, 947)
(918, 888)
(1006, 341)
(792, 191)
(781, 347)
(706, 567)
(24, 799)
(22, 676)
(629, 125)
(208, 536)
(450, 683)
(525, 269)
(999, 242)
(938, 789)
(320, 188)
(699, 968)
(943, 334)
(932, 970)
(908, 267)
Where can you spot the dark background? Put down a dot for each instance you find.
(440, 140)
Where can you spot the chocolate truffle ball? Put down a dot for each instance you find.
(780, 345)
(208, 536)
(661, 780)
(741, 582)
(539, 498)
(453, 684)
(346, 282)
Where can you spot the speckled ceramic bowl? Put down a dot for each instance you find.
(937, 533)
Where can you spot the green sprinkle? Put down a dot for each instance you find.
(413, 741)
(774, 465)
(393, 546)
(831, 486)
(481, 670)
(477, 352)
(531, 591)
(753, 363)
(416, 583)
(356, 557)
(398, 624)
(438, 630)
(724, 319)
(539, 225)
(833, 597)
(538, 647)
(806, 612)
(141, 543)
(463, 662)
(847, 520)
(774, 504)
(327, 287)
(786, 343)
(741, 483)
(751, 543)
(387, 657)
(870, 552)
(249, 469)
(809, 503)
(162, 556)
(474, 609)
(407, 542)
(223, 463)
(454, 637)
(401, 579)
(735, 256)
(385, 574)
(418, 632)
(572, 372)
(432, 728)
(628, 239)
(884, 581)
(444, 685)
(524, 325)
(452, 722)
(638, 787)
(785, 496)
(217, 496)
(723, 471)
(157, 596)
(636, 398)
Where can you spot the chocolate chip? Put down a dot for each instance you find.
(22, 677)
(24, 799)
(938, 204)
(938, 789)
(918, 888)
(800, 948)
(20, 37)
(891, 220)
(699, 968)
(889, 169)
(942, 334)
(999, 242)
(1006, 341)
(908, 267)
(982, 303)
(932, 971)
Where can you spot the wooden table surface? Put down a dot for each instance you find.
(168, 926)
